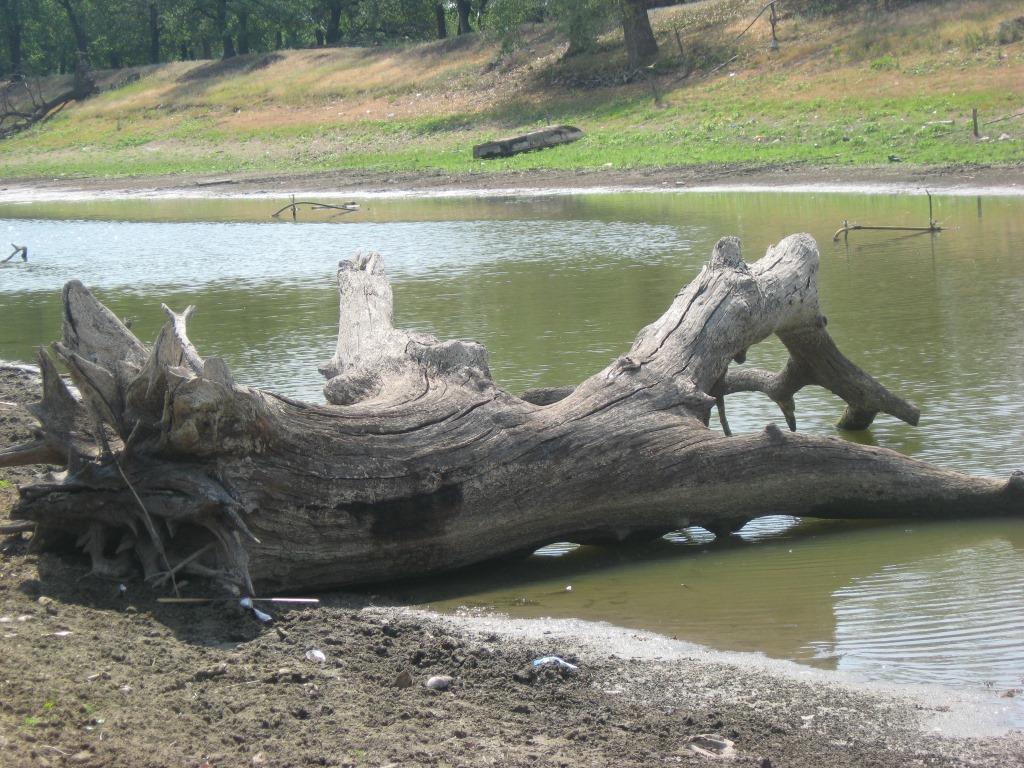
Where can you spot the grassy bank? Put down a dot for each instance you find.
(847, 90)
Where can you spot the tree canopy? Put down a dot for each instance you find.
(43, 36)
(46, 36)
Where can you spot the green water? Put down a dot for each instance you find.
(557, 286)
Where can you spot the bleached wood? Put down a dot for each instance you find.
(420, 462)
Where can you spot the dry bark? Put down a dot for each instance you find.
(420, 462)
(551, 136)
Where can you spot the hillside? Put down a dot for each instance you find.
(842, 90)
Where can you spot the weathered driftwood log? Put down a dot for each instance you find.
(421, 462)
(551, 136)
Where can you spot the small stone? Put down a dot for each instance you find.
(439, 683)
(81, 757)
(712, 745)
(260, 759)
(316, 656)
(404, 679)
(44, 600)
(1004, 137)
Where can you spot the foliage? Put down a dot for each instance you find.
(582, 21)
(36, 35)
(505, 19)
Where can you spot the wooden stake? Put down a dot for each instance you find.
(974, 119)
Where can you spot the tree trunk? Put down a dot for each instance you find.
(442, 21)
(243, 32)
(421, 462)
(334, 23)
(81, 39)
(641, 47)
(227, 44)
(154, 34)
(462, 8)
(11, 10)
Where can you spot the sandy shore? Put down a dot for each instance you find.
(893, 178)
(94, 675)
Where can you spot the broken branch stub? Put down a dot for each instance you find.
(421, 462)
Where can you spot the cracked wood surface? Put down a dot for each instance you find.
(419, 462)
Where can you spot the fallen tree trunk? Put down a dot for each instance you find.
(21, 107)
(420, 462)
(543, 138)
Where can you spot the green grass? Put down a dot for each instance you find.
(835, 96)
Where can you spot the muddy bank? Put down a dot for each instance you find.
(94, 675)
(959, 180)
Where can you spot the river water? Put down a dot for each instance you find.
(555, 287)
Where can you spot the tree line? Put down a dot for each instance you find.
(49, 36)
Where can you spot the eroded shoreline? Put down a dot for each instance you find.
(892, 179)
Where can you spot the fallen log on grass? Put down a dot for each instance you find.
(421, 462)
(551, 136)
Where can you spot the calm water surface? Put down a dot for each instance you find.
(556, 287)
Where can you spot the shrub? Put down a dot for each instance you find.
(1010, 31)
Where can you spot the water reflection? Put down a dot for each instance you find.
(940, 602)
(960, 611)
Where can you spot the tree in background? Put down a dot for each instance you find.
(582, 21)
(45, 36)
(463, 9)
(10, 18)
(75, 20)
(641, 47)
(441, 19)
